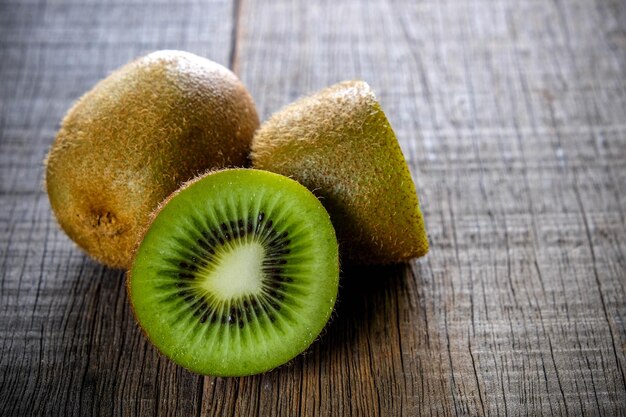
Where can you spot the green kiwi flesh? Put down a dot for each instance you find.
(237, 273)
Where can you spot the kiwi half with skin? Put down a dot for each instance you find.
(339, 143)
(237, 273)
(135, 138)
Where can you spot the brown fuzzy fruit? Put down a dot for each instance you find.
(339, 144)
(134, 138)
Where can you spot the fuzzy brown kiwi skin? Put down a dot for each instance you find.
(154, 213)
(134, 138)
(339, 144)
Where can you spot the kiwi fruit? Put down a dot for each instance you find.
(135, 138)
(237, 273)
(339, 144)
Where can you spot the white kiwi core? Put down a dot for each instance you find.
(238, 271)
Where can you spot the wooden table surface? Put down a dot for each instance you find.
(512, 116)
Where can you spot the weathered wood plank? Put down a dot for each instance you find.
(511, 115)
(69, 343)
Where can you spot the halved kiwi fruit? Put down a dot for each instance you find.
(237, 273)
(339, 144)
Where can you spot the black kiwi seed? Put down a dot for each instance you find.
(276, 284)
(283, 243)
(277, 296)
(234, 228)
(259, 225)
(275, 305)
(272, 262)
(187, 266)
(195, 308)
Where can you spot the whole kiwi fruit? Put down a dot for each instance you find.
(339, 144)
(237, 273)
(134, 138)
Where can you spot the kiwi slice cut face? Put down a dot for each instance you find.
(237, 274)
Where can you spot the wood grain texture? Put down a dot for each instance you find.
(70, 346)
(511, 115)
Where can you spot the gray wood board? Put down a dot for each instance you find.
(511, 115)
